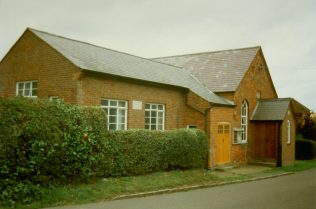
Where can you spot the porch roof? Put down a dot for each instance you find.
(270, 109)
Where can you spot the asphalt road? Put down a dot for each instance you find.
(296, 191)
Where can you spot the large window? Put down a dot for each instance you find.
(116, 111)
(154, 116)
(244, 121)
(26, 89)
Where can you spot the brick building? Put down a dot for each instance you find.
(216, 92)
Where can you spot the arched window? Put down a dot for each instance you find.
(244, 121)
(288, 132)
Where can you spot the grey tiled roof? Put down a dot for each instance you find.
(94, 58)
(219, 71)
(270, 110)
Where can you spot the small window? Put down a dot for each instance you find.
(116, 113)
(289, 132)
(26, 89)
(192, 126)
(155, 116)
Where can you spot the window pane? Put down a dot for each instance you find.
(159, 127)
(121, 127)
(34, 92)
(113, 111)
(34, 85)
(122, 104)
(20, 92)
(147, 120)
(27, 85)
(121, 119)
(160, 120)
(112, 126)
(26, 92)
(147, 113)
(153, 106)
(153, 114)
(146, 126)
(21, 86)
(153, 127)
(104, 102)
(160, 114)
(147, 106)
(121, 112)
(160, 107)
(112, 119)
(113, 103)
(153, 120)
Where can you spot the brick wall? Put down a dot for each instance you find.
(288, 150)
(92, 87)
(32, 59)
(256, 81)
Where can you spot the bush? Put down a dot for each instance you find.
(135, 152)
(305, 149)
(44, 143)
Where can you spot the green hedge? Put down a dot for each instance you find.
(43, 143)
(135, 152)
(305, 149)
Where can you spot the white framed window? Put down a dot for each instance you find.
(26, 88)
(289, 132)
(155, 116)
(244, 122)
(116, 113)
(238, 133)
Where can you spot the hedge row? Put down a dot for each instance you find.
(43, 143)
(305, 149)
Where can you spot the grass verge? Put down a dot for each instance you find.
(107, 189)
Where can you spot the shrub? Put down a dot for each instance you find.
(43, 142)
(305, 149)
(135, 152)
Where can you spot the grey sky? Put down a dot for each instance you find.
(286, 30)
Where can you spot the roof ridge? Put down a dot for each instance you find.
(101, 47)
(208, 52)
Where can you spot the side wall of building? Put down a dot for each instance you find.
(256, 84)
(288, 148)
(32, 59)
(93, 87)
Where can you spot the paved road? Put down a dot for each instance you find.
(297, 191)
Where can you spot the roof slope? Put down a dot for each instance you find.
(219, 71)
(271, 109)
(94, 58)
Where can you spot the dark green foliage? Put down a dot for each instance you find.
(305, 149)
(135, 152)
(44, 143)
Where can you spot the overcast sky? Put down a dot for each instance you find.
(286, 30)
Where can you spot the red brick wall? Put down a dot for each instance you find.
(256, 79)
(92, 87)
(32, 59)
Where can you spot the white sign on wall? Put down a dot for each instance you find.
(137, 105)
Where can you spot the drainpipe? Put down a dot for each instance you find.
(279, 138)
(208, 134)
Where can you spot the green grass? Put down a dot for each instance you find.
(299, 165)
(107, 189)
(110, 188)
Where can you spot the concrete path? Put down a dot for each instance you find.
(290, 192)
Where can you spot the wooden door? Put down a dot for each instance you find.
(223, 143)
(265, 140)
